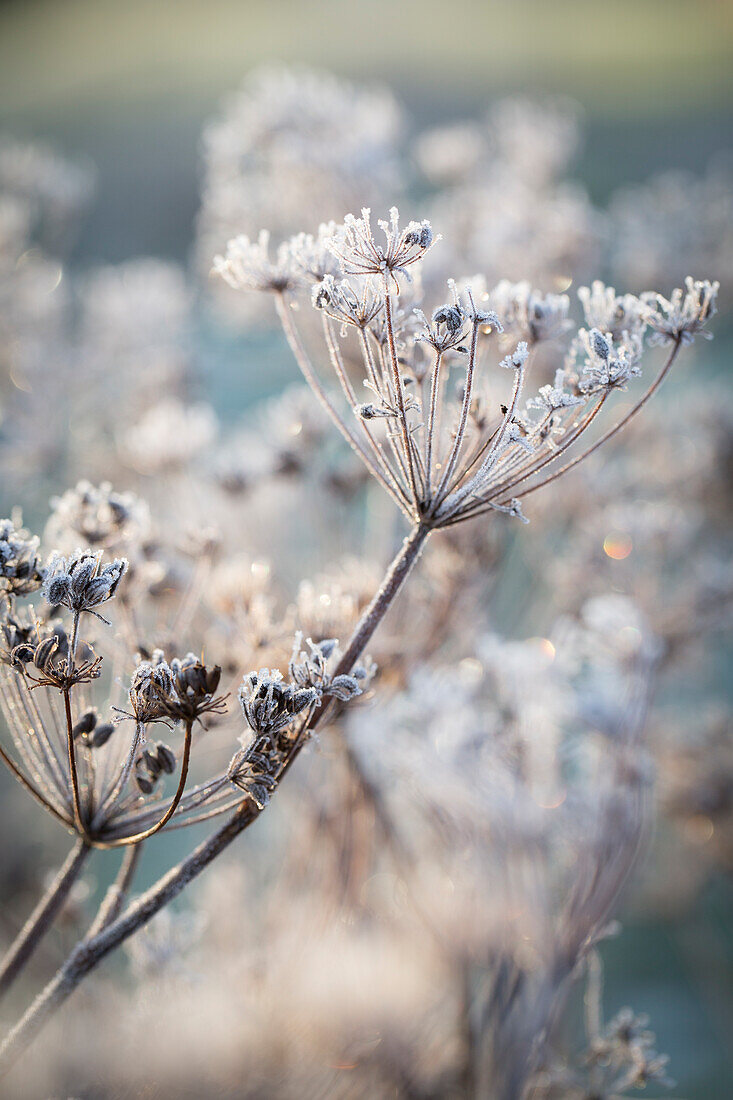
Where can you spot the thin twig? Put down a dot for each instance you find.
(400, 393)
(78, 819)
(113, 900)
(615, 427)
(444, 486)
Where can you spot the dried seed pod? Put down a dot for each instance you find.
(81, 582)
(102, 735)
(22, 654)
(44, 651)
(144, 784)
(85, 725)
(166, 758)
(343, 687)
(151, 762)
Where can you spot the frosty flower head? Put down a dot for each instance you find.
(152, 689)
(360, 254)
(608, 364)
(53, 662)
(194, 689)
(255, 768)
(517, 358)
(96, 516)
(247, 265)
(446, 452)
(684, 315)
(450, 316)
(447, 330)
(81, 582)
(349, 304)
(556, 396)
(16, 629)
(269, 704)
(528, 314)
(611, 312)
(450, 325)
(20, 565)
(311, 668)
(310, 257)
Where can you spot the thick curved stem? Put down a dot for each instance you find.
(42, 917)
(375, 612)
(138, 837)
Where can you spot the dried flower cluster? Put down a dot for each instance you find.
(446, 862)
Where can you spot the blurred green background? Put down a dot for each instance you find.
(129, 84)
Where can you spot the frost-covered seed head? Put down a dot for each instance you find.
(20, 565)
(80, 582)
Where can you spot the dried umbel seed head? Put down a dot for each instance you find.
(247, 265)
(607, 364)
(81, 582)
(96, 516)
(194, 689)
(450, 316)
(255, 768)
(269, 704)
(51, 657)
(20, 566)
(14, 632)
(151, 690)
(609, 312)
(360, 254)
(355, 303)
(312, 669)
(516, 358)
(528, 314)
(683, 315)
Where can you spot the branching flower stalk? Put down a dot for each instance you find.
(442, 456)
(440, 464)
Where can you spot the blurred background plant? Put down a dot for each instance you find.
(420, 912)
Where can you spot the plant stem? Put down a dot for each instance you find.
(400, 394)
(90, 951)
(393, 581)
(42, 916)
(113, 900)
(138, 837)
(78, 819)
